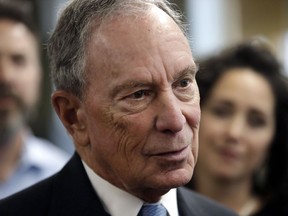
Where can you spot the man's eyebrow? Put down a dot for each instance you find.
(128, 85)
(191, 70)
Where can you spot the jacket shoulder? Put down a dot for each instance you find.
(34, 200)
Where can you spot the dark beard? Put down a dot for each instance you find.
(11, 123)
(7, 134)
(6, 91)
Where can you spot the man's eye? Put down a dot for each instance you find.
(139, 94)
(18, 60)
(184, 83)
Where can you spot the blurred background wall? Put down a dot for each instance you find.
(213, 25)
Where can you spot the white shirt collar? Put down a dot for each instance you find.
(120, 203)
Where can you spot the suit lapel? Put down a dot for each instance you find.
(187, 204)
(73, 192)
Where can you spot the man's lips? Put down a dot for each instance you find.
(174, 154)
(5, 100)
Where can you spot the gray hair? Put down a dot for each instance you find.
(66, 46)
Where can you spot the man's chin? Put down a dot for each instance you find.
(173, 179)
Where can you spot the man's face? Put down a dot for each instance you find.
(19, 74)
(142, 104)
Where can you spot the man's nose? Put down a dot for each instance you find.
(170, 118)
(6, 71)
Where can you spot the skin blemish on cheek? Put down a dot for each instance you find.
(118, 128)
(114, 122)
(124, 143)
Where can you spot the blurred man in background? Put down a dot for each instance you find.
(24, 159)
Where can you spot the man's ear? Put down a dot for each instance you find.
(70, 110)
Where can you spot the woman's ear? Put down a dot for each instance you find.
(72, 115)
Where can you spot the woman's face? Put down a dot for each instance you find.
(237, 125)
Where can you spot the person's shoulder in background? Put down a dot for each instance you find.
(39, 160)
(200, 205)
(46, 155)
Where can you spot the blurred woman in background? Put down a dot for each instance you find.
(243, 134)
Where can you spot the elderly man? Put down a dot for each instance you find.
(126, 93)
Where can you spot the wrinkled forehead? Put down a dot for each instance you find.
(150, 43)
(132, 34)
(134, 28)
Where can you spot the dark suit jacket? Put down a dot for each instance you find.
(70, 193)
